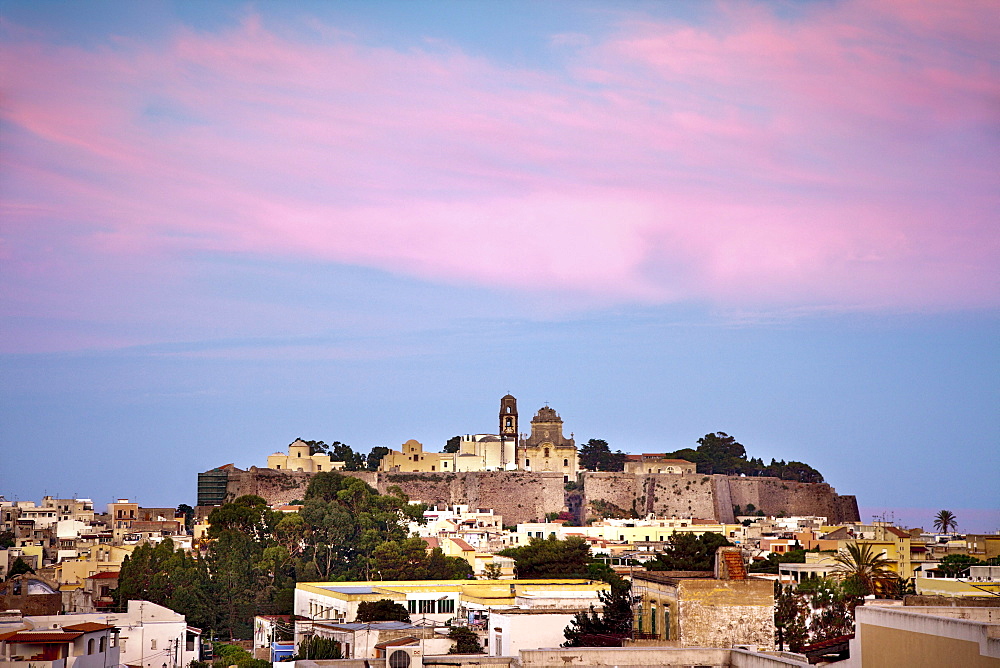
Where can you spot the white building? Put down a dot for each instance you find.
(150, 635)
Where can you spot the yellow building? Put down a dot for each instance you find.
(546, 449)
(300, 459)
(98, 559)
(413, 459)
(649, 463)
(722, 611)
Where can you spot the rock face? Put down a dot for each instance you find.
(525, 496)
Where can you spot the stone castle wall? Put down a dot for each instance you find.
(518, 496)
(711, 496)
(525, 496)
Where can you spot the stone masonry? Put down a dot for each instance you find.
(525, 496)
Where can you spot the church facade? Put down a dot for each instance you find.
(546, 448)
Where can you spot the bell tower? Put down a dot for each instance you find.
(508, 427)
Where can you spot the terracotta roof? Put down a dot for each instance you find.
(29, 637)
(432, 542)
(104, 575)
(462, 545)
(88, 627)
(897, 532)
(407, 640)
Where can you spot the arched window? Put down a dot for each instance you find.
(103, 645)
(527, 463)
(90, 646)
(546, 453)
(565, 462)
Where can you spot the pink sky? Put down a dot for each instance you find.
(844, 158)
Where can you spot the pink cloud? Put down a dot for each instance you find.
(838, 158)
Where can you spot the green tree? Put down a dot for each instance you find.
(687, 552)
(945, 521)
(19, 567)
(375, 457)
(789, 618)
(408, 559)
(188, 513)
(382, 610)
(453, 444)
(861, 570)
(315, 648)
(720, 453)
(957, 565)
(609, 627)
(339, 452)
(348, 520)
(596, 455)
(466, 641)
(551, 558)
(248, 515)
(773, 561)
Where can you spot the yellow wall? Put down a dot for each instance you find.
(891, 648)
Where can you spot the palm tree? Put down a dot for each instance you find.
(861, 566)
(945, 521)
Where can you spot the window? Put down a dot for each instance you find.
(565, 462)
(426, 607)
(527, 463)
(90, 646)
(666, 623)
(510, 422)
(411, 606)
(152, 644)
(103, 645)
(279, 466)
(432, 468)
(652, 618)
(546, 453)
(447, 606)
(319, 467)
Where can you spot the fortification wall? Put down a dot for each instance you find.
(525, 496)
(271, 485)
(775, 496)
(519, 496)
(710, 497)
(665, 494)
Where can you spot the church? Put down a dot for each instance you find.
(545, 449)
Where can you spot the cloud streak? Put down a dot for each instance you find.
(841, 157)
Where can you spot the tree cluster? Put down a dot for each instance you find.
(687, 552)
(551, 558)
(353, 461)
(722, 453)
(382, 610)
(596, 455)
(812, 612)
(345, 531)
(610, 626)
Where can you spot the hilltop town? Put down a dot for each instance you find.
(510, 544)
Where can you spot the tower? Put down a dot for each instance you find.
(508, 426)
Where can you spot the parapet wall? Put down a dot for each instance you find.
(712, 496)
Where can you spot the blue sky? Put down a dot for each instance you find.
(229, 225)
